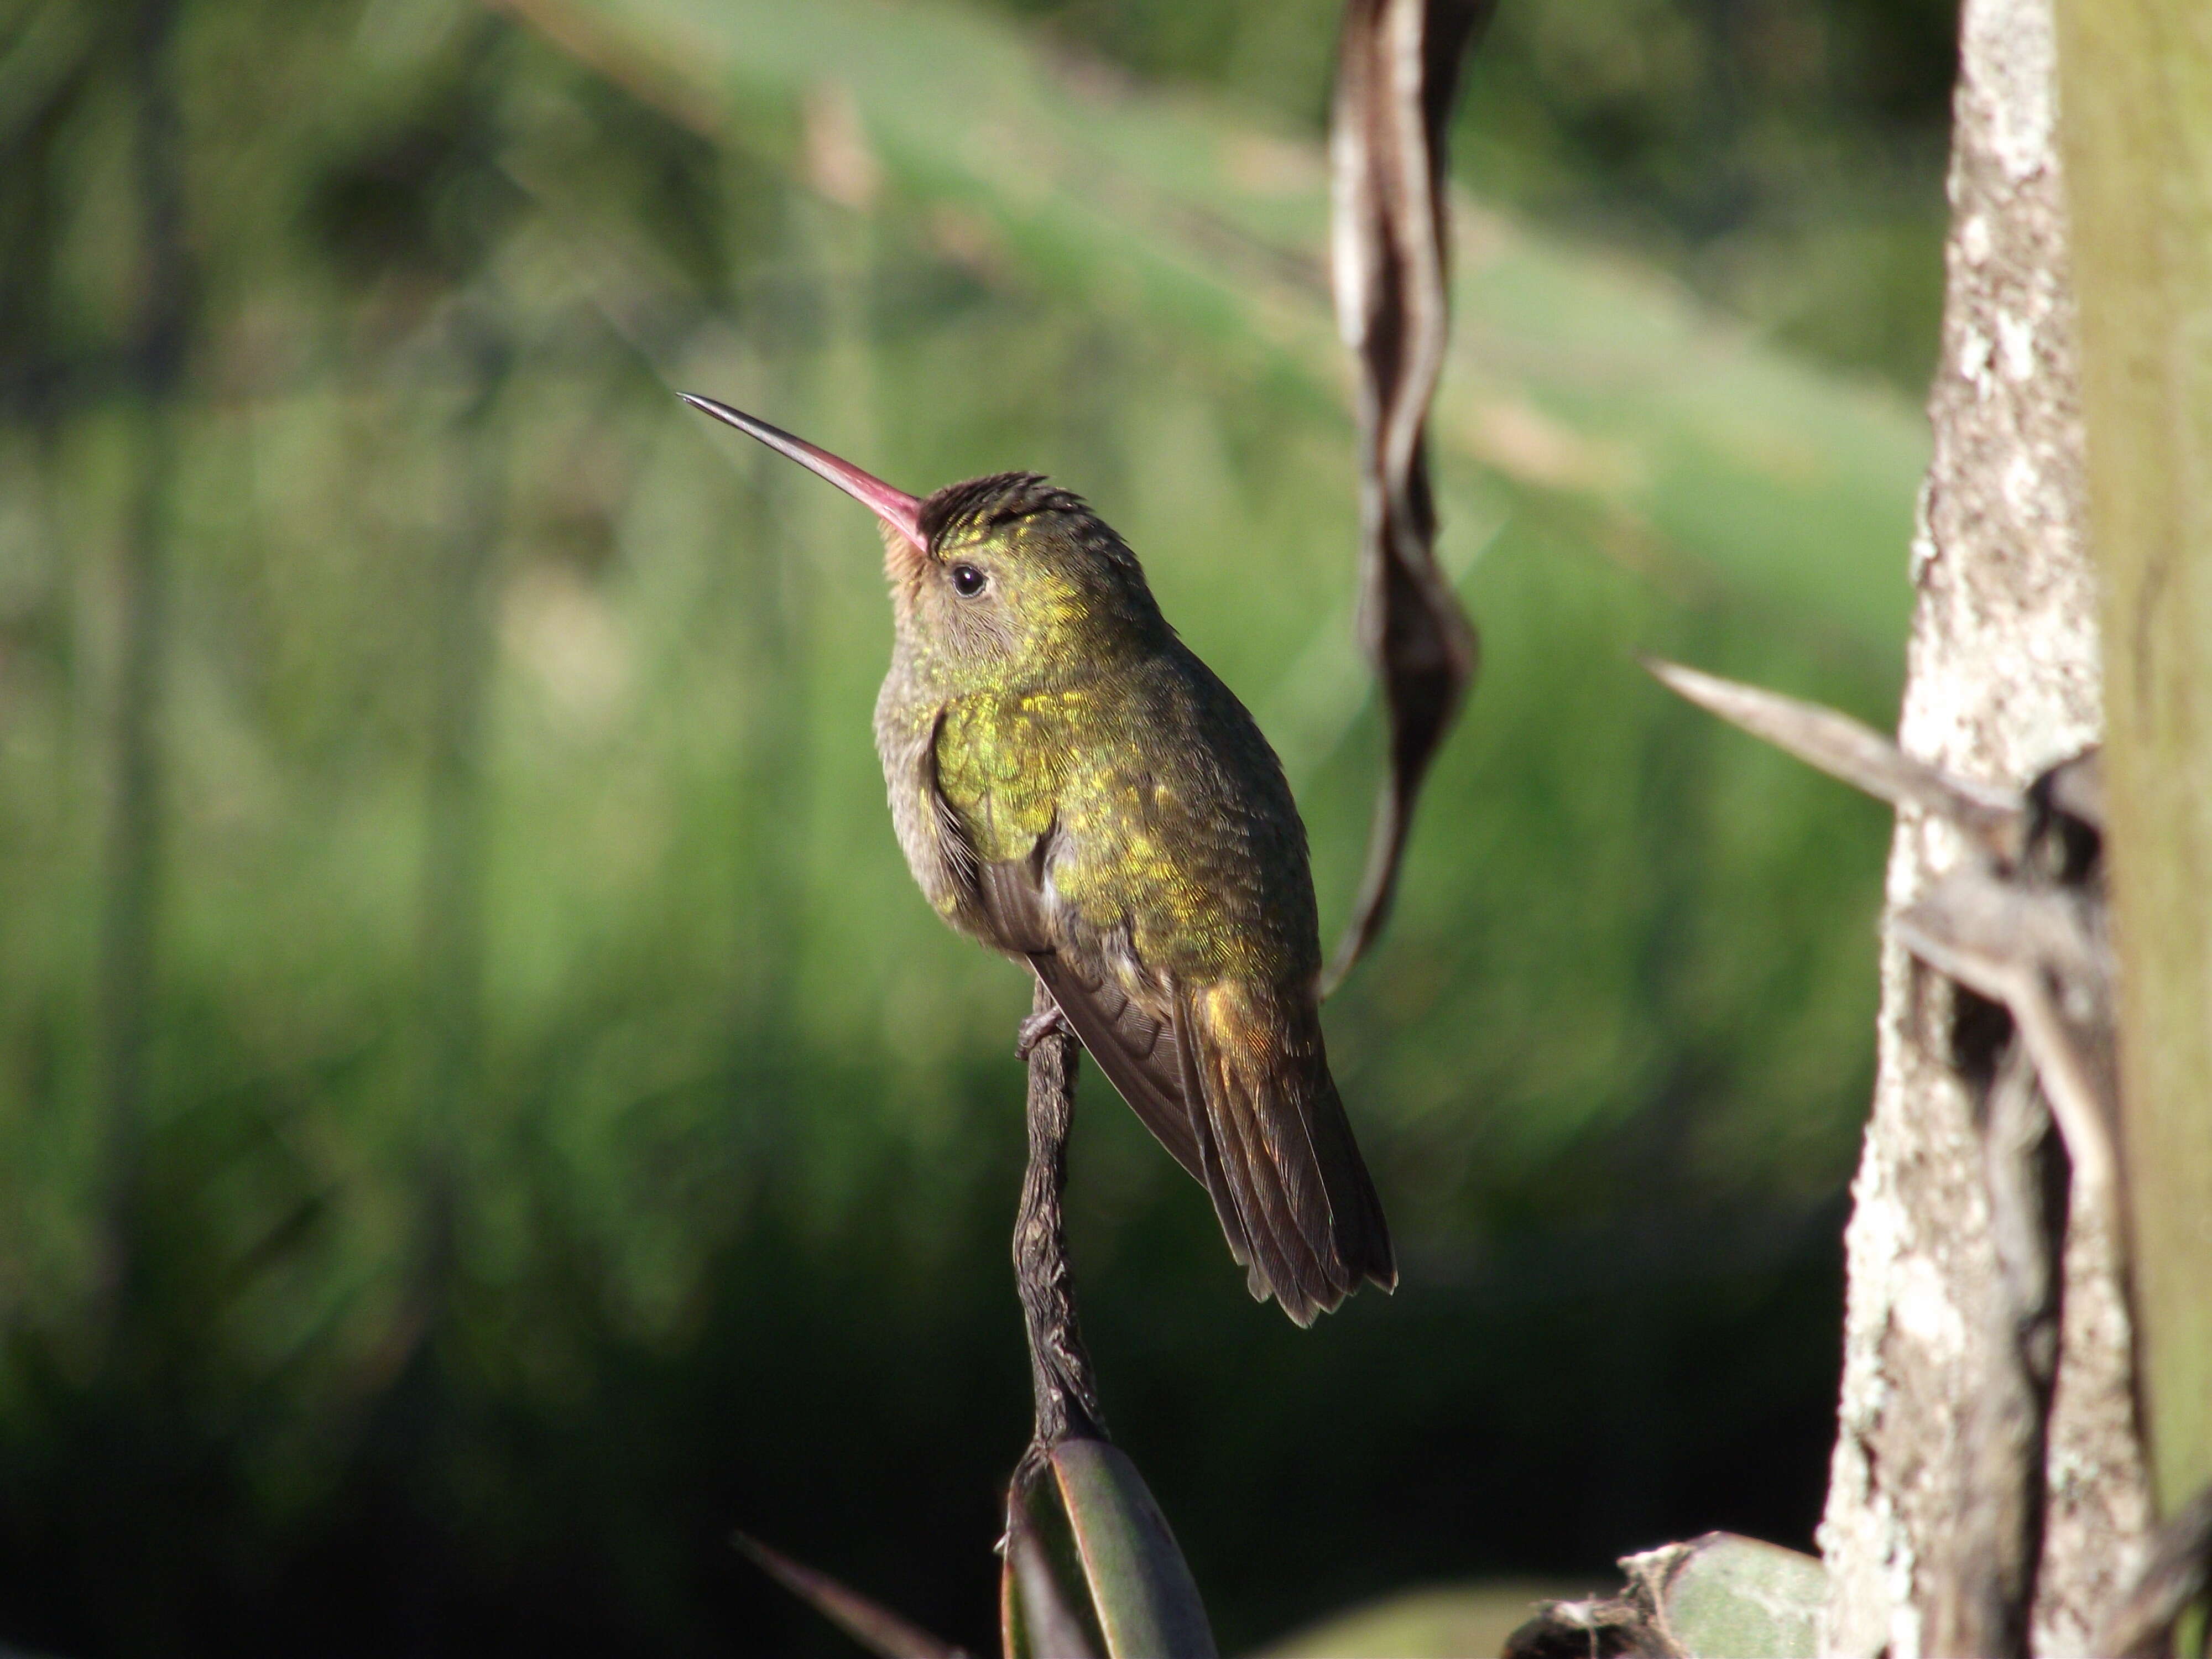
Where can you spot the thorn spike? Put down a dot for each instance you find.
(1854, 753)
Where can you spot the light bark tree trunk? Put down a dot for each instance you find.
(2003, 680)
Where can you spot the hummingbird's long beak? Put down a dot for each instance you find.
(901, 511)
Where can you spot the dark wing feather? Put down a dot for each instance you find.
(1137, 1053)
(1284, 1172)
(1241, 1177)
(1270, 1144)
(1012, 900)
(1229, 1208)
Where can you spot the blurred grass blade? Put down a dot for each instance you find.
(875, 1628)
(1398, 67)
(1141, 1589)
(43, 56)
(1039, 1623)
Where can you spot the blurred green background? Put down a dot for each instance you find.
(482, 1111)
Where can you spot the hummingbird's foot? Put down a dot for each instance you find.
(1036, 1029)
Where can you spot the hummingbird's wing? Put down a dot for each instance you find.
(1260, 1126)
(1137, 1054)
(1136, 1051)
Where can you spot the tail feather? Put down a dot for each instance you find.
(1362, 1236)
(1278, 1160)
(1282, 1204)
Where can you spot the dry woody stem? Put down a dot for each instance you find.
(1066, 1388)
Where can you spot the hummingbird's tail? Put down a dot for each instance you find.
(1292, 1194)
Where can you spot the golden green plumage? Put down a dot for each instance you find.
(1073, 786)
(1207, 861)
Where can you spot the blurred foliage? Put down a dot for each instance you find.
(1783, 156)
(566, 1135)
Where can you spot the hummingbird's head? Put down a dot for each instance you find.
(1012, 569)
(997, 575)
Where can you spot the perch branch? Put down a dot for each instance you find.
(1066, 1389)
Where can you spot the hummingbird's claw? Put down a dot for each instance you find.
(1036, 1029)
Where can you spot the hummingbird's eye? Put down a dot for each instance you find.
(967, 580)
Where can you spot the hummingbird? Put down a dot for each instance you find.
(1073, 787)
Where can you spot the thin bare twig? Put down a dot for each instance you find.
(2033, 953)
(133, 852)
(2024, 931)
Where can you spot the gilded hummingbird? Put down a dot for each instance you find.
(1073, 787)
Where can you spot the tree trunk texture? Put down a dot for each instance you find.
(2003, 680)
(2138, 83)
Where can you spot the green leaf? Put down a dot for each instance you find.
(1716, 1597)
(1724, 1597)
(1140, 1588)
(1039, 1624)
